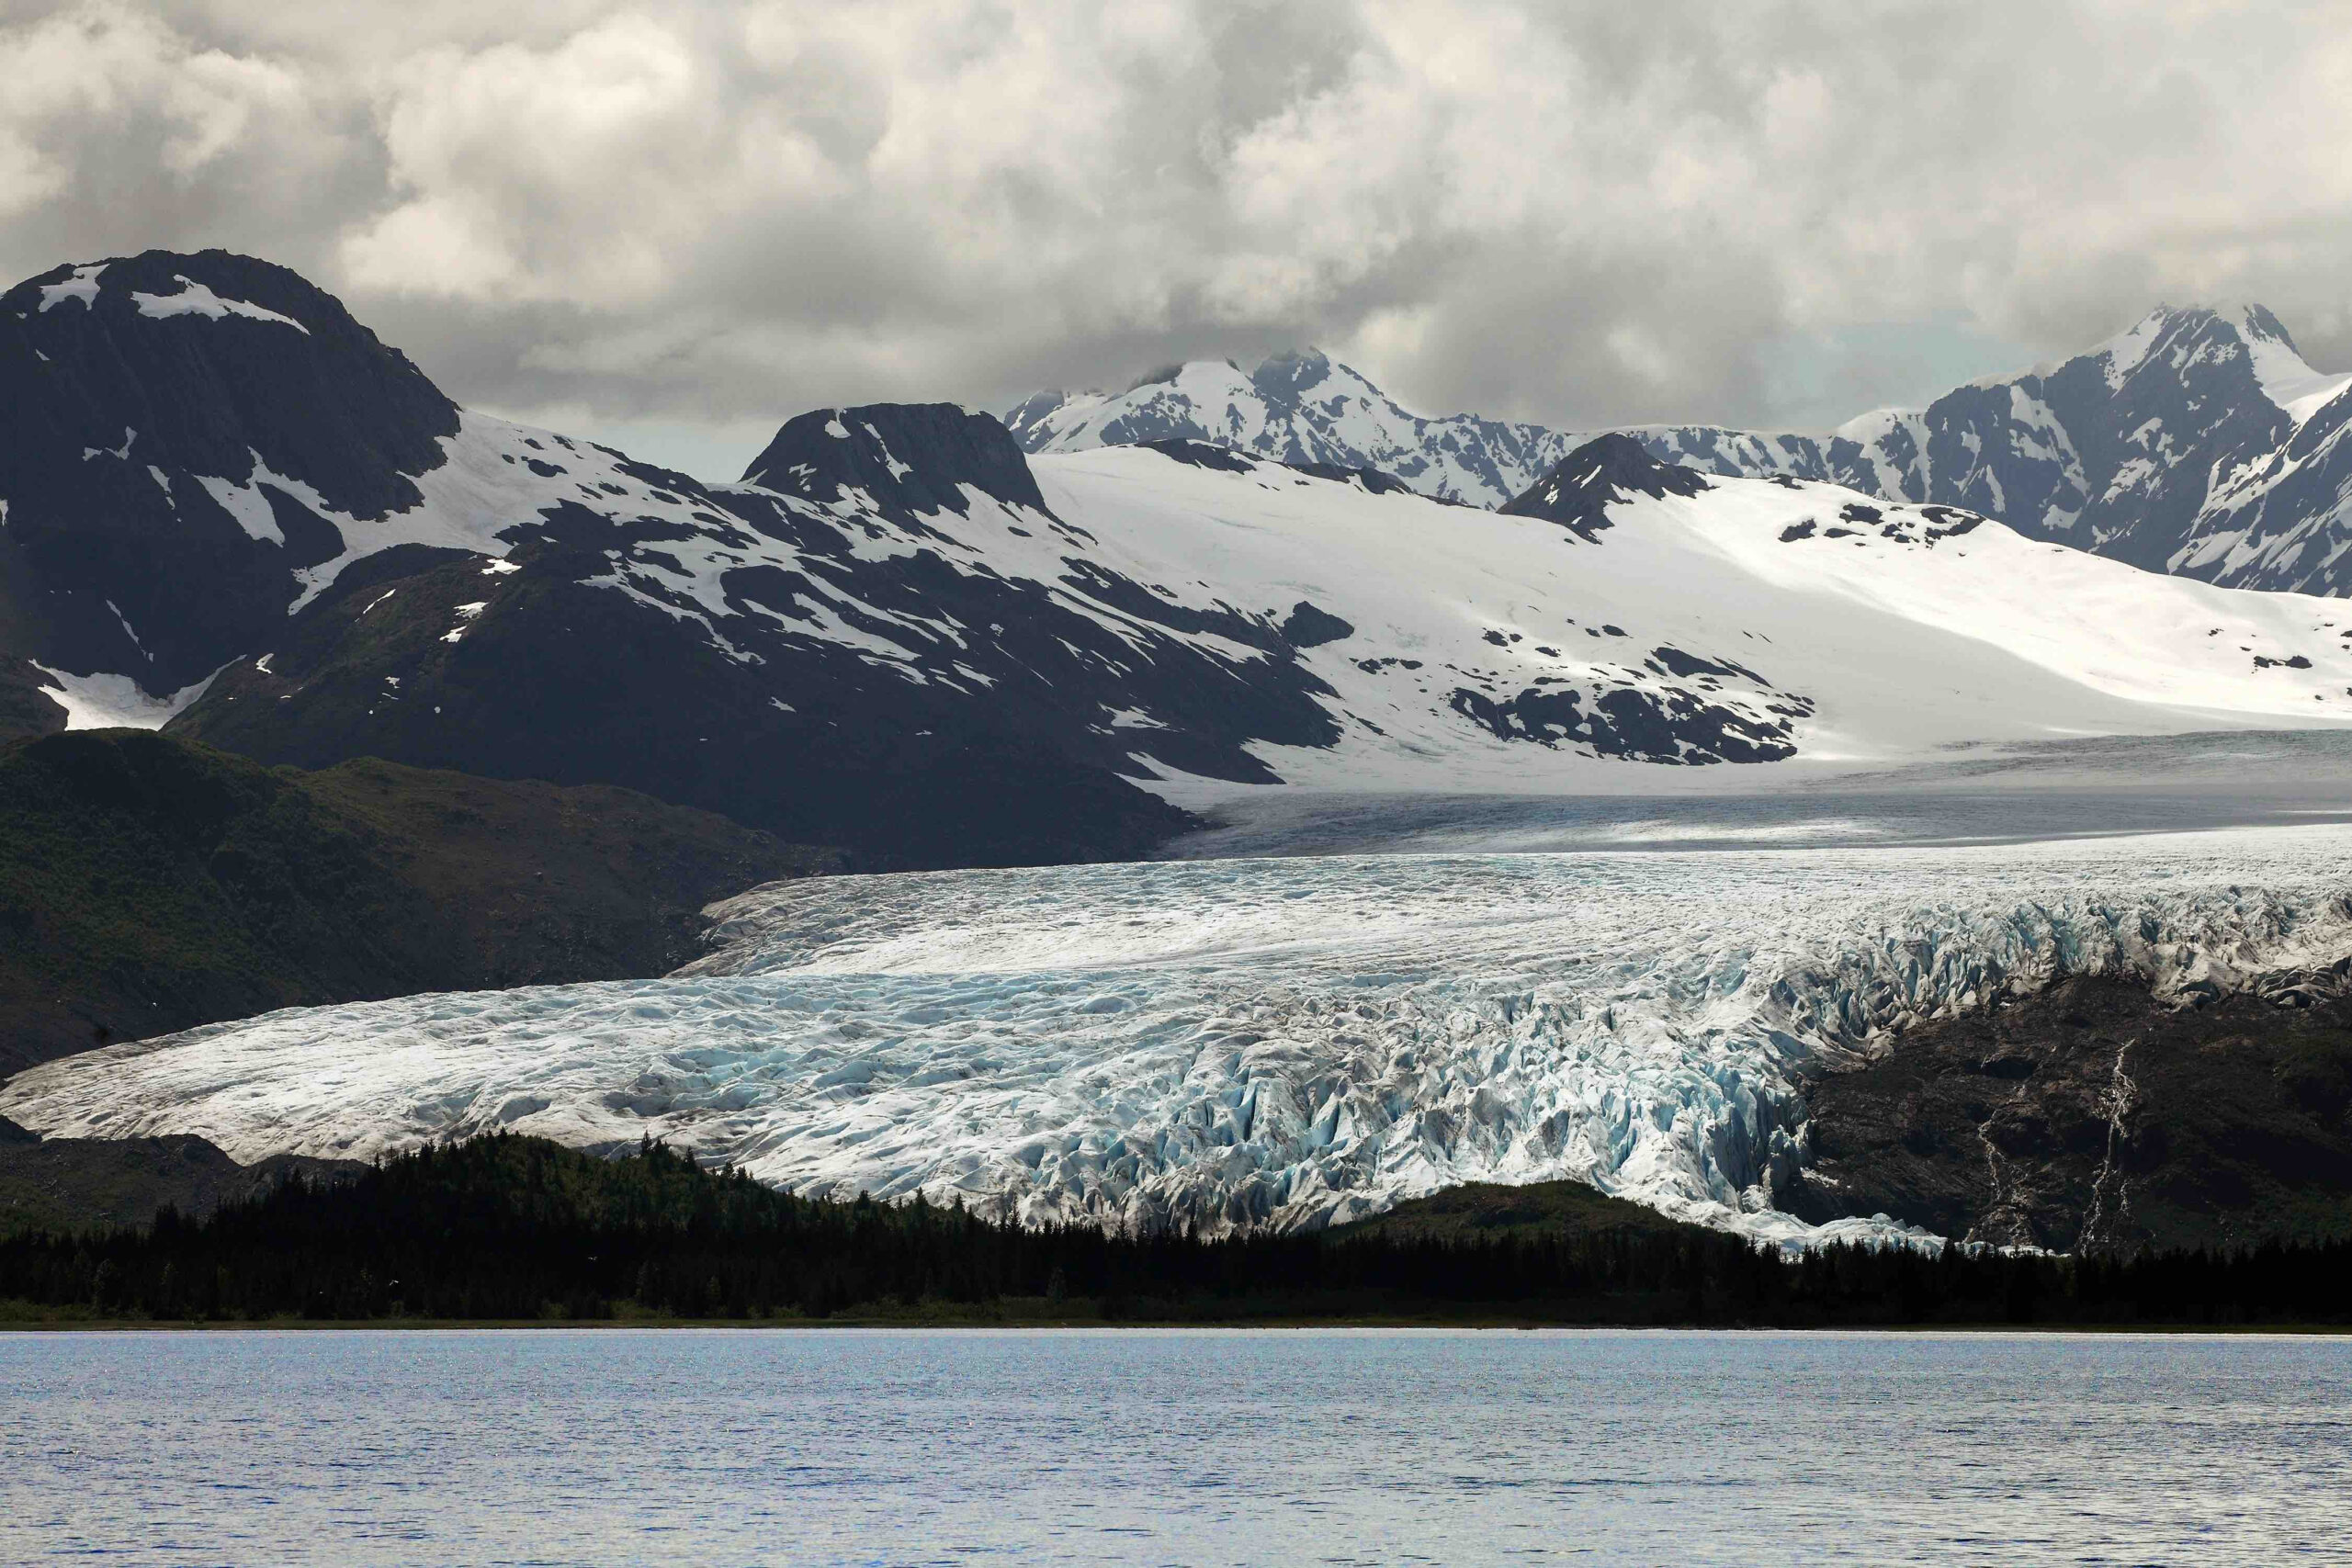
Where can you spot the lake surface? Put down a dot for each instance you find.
(1141, 1447)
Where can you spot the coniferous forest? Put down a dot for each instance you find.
(506, 1228)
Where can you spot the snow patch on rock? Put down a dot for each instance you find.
(197, 300)
(82, 288)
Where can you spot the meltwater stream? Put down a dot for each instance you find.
(419, 1449)
(1272, 1041)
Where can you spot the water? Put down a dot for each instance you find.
(1144, 1446)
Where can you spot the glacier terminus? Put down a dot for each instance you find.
(1288, 1042)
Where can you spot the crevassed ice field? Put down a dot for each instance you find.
(1279, 1040)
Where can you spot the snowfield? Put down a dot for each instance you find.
(1284, 1041)
(1802, 621)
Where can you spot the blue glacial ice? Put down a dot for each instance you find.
(1254, 1042)
(1282, 1042)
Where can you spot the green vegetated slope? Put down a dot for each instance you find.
(512, 1228)
(149, 884)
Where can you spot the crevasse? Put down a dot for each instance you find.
(1274, 1041)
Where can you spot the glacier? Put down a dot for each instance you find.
(1270, 1042)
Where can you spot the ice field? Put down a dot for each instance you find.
(1289, 1040)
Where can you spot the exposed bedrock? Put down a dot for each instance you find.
(2095, 1116)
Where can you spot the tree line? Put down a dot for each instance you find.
(505, 1227)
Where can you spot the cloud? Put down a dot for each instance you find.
(712, 215)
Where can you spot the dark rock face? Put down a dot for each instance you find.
(1578, 492)
(2091, 1118)
(147, 886)
(132, 383)
(1668, 725)
(2142, 452)
(26, 703)
(906, 459)
(1306, 626)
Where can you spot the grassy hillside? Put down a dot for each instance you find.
(149, 884)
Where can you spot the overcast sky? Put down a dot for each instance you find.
(674, 225)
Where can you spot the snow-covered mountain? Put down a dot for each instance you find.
(1302, 409)
(901, 634)
(212, 462)
(1197, 620)
(2200, 443)
(230, 507)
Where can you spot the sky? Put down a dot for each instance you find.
(673, 227)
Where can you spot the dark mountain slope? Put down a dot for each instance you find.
(535, 666)
(147, 884)
(150, 397)
(220, 459)
(2094, 1118)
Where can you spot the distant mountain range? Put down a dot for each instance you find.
(2198, 443)
(230, 510)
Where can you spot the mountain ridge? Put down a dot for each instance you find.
(904, 636)
(147, 560)
(2109, 450)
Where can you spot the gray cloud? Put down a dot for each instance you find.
(690, 221)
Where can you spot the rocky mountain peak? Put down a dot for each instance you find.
(910, 459)
(1609, 469)
(178, 420)
(206, 364)
(1284, 376)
